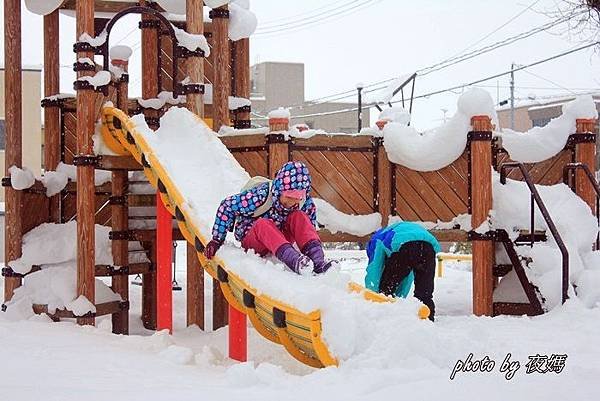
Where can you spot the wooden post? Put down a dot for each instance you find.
(149, 291)
(195, 65)
(86, 201)
(241, 72)
(481, 204)
(585, 152)
(120, 248)
(149, 90)
(195, 289)
(222, 80)
(13, 119)
(52, 113)
(164, 266)
(278, 146)
(383, 175)
(150, 39)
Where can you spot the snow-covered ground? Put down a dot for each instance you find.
(62, 361)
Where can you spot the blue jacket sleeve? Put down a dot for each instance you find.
(234, 206)
(310, 209)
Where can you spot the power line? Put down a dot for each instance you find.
(272, 26)
(547, 80)
(450, 89)
(328, 18)
(445, 63)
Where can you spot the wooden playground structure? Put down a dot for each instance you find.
(353, 173)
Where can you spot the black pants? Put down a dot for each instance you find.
(418, 256)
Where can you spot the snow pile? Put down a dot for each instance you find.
(396, 114)
(233, 101)
(216, 3)
(226, 130)
(541, 143)
(100, 147)
(336, 221)
(575, 223)
(386, 94)
(101, 78)
(51, 243)
(94, 40)
(54, 182)
(120, 52)
(21, 179)
(242, 21)
(439, 147)
(100, 177)
(86, 60)
(191, 41)
(42, 7)
(81, 305)
(279, 113)
(163, 98)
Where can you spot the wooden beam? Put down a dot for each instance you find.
(150, 63)
(120, 249)
(13, 129)
(149, 290)
(102, 6)
(105, 308)
(106, 162)
(132, 268)
(222, 80)
(481, 204)
(195, 65)
(440, 235)
(383, 175)
(85, 173)
(52, 113)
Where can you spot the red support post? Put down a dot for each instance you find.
(164, 279)
(238, 335)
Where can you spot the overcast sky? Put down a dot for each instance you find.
(373, 40)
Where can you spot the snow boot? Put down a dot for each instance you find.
(297, 262)
(314, 250)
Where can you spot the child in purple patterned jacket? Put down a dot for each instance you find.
(270, 217)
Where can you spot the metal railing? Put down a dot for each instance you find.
(573, 167)
(536, 199)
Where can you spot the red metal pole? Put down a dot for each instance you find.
(238, 335)
(164, 248)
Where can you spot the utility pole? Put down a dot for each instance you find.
(359, 87)
(512, 96)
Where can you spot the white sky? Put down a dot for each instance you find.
(385, 39)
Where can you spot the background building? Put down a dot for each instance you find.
(275, 84)
(531, 113)
(32, 121)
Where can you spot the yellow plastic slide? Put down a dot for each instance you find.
(298, 332)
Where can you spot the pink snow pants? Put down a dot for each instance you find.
(264, 236)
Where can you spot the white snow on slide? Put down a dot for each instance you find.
(205, 172)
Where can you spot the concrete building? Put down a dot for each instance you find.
(32, 121)
(275, 84)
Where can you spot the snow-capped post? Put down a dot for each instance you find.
(222, 79)
(278, 147)
(241, 74)
(195, 65)
(13, 119)
(52, 111)
(480, 143)
(86, 198)
(120, 247)
(383, 180)
(195, 104)
(585, 152)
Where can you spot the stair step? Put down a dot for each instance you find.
(501, 270)
(525, 237)
(514, 309)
